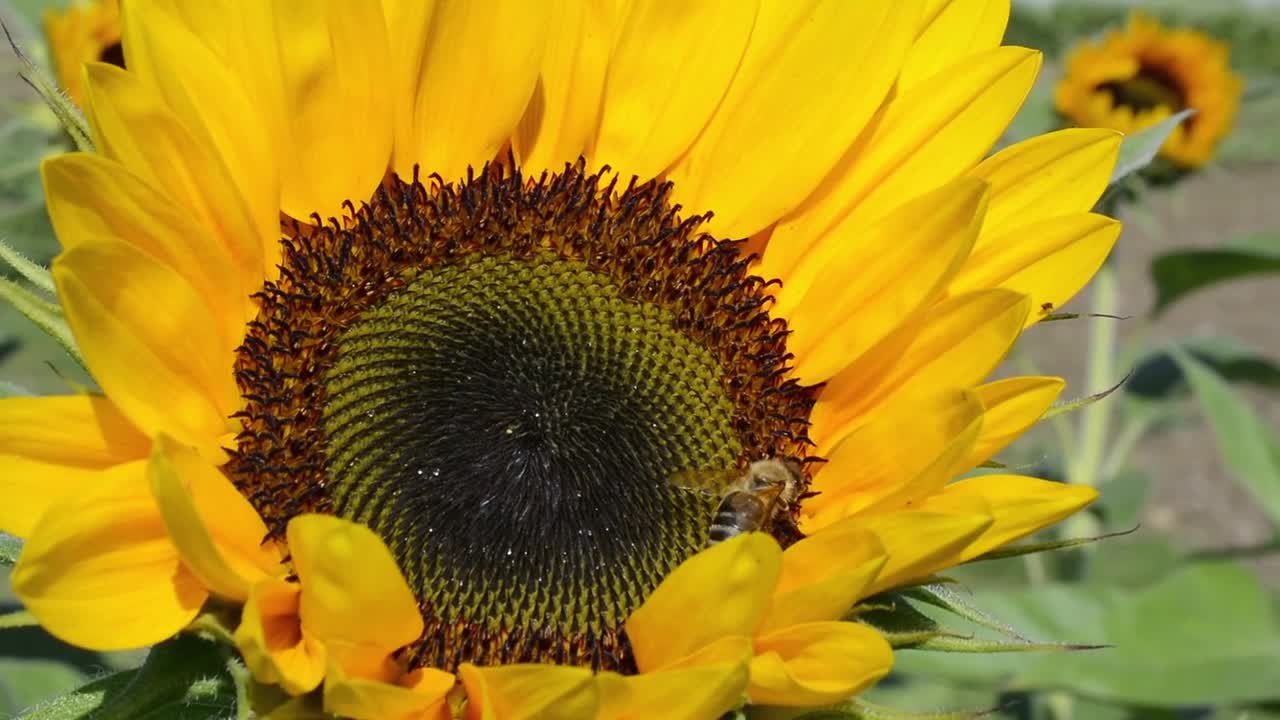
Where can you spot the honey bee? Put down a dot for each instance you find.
(752, 501)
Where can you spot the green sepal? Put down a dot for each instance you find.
(1054, 317)
(1032, 548)
(863, 710)
(943, 597)
(903, 626)
(34, 273)
(69, 116)
(963, 644)
(46, 315)
(186, 677)
(17, 619)
(1066, 406)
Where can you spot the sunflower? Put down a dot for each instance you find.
(410, 323)
(1134, 78)
(83, 32)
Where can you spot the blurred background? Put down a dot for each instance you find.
(1186, 452)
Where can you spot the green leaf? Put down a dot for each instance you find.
(1244, 442)
(1158, 376)
(1140, 148)
(10, 547)
(183, 679)
(1206, 634)
(1179, 273)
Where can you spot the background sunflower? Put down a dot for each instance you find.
(1165, 592)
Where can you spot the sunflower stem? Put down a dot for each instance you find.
(1100, 372)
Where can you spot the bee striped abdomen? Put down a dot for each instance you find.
(739, 512)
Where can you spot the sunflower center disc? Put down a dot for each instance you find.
(508, 427)
(1148, 89)
(501, 379)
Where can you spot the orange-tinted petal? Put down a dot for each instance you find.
(444, 124)
(273, 642)
(563, 114)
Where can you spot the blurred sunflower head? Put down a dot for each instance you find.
(83, 32)
(414, 326)
(1134, 78)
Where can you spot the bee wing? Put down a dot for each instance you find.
(709, 482)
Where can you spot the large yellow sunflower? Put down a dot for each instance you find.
(83, 32)
(1134, 78)
(444, 300)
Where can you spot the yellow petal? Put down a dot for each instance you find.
(142, 216)
(354, 598)
(176, 54)
(954, 29)
(53, 446)
(1061, 173)
(919, 543)
(924, 138)
(812, 77)
(823, 575)
(720, 592)
(1012, 405)
(665, 80)
(218, 533)
(273, 642)
(817, 663)
(166, 371)
(369, 700)
(874, 466)
(520, 692)
(160, 372)
(1019, 505)
(958, 343)
(859, 283)
(135, 128)
(1049, 261)
(563, 114)
(705, 685)
(100, 571)
(318, 73)
(466, 46)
